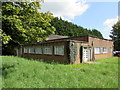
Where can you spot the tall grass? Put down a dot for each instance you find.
(24, 73)
(0, 74)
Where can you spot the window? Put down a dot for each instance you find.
(97, 50)
(32, 50)
(38, 50)
(26, 50)
(59, 50)
(111, 49)
(101, 50)
(104, 50)
(47, 50)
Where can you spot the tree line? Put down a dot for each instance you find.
(66, 28)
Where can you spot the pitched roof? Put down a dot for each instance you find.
(51, 37)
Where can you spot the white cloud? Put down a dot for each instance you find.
(108, 23)
(65, 8)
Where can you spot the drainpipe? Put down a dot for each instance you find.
(93, 57)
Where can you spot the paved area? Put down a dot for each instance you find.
(87, 66)
(92, 62)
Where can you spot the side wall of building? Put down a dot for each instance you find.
(100, 44)
(50, 57)
(74, 56)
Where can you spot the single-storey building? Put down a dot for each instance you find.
(68, 50)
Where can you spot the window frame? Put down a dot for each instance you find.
(56, 50)
(46, 49)
(97, 51)
(111, 49)
(36, 48)
(33, 51)
(26, 50)
(105, 50)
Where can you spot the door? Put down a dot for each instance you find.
(85, 54)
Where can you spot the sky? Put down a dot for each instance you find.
(90, 14)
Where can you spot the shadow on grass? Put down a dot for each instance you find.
(6, 69)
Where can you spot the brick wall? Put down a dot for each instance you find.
(101, 43)
(53, 57)
(68, 50)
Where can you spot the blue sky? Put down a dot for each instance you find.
(92, 15)
(96, 15)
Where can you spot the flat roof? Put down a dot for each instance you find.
(67, 39)
(54, 41)
(77, 37)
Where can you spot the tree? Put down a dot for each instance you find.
(66, 28)
(96, 33)
(115, 35)
(22, 23)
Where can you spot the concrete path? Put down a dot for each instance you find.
(87, 66)
(92, 62)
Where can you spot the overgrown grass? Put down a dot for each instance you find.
(0, 74)
(24, 73)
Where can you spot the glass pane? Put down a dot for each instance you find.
(59, 50)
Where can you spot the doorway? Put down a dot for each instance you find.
(86, 54)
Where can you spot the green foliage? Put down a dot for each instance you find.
(5, 38)
(66, 28)
(115, 35)
(96, 33)
(22, 23)
(28, 73)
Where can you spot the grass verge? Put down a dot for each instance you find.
(24, 73)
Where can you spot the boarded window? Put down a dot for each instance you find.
(32, 50)
(104, 50)
(26, 50)
(47, 50)
(38, 50)
(59, 50)
(97, 50)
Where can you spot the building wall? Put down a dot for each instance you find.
(101, 43)
(101, 56)
(77, 59)
(82, 38)
(74, 52)
(72, 49)
(71, 52)
(53, 57)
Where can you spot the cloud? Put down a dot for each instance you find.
(108, 23)
(65, 8)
